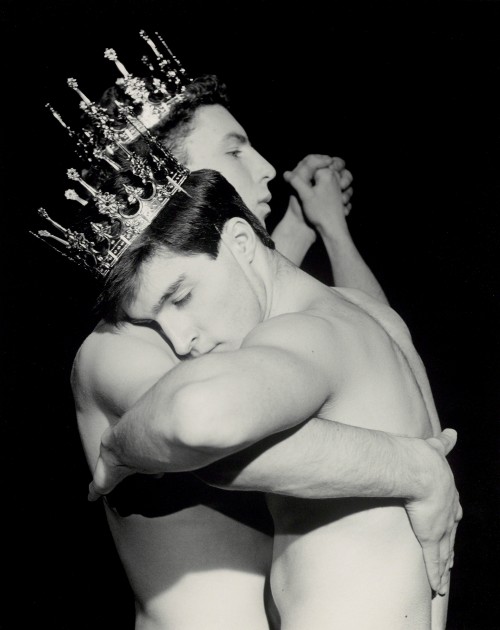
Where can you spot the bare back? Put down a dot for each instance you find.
(195, 556)
(355, 563)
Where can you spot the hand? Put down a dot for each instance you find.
(108, 471)
(324, 205)
(435, 515)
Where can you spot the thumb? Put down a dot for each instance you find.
(294, 207)
(445, 442)
(301, 188)
(93, 495)
(449, 438)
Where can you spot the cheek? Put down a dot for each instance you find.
(237, 311)
(240, 179)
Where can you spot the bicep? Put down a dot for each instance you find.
(275, 381)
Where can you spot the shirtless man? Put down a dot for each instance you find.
(165, 529)
(336, 354)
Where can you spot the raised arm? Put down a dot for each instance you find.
(323, 186)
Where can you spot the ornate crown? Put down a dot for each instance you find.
(121, 140)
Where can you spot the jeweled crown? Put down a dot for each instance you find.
(121, 140)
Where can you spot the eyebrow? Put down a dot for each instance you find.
(171, 289)
(239, 137)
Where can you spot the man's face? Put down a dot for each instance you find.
(201, 304)
(219, 142)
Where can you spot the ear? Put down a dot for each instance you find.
(239, 236)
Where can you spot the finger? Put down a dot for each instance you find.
(338, 164)
(93, 494)
(444, 584)
(448, 438)
(346, 195)
(347, 209)
(445, 565)
(303, 189)
(325, 176)
(101, 481)
(431, 560)
(444, 561)
(346, 178)
(310, 164)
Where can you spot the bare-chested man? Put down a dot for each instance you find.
(306, 350)
(178, 538)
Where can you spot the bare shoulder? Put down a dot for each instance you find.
(381, 312)
(115, 365)
(309, 337)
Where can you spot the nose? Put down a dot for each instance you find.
(263, 169)
(182, 336)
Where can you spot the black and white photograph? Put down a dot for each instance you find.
(250, 315)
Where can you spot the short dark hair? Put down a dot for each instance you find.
(190, 224)
(204, 90)
(171, 132)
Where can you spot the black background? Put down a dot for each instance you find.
(407, 93)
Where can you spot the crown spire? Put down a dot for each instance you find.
(110, 54)
(115, 219)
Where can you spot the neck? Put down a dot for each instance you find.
(286, 286)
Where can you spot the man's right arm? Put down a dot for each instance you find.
(323, 459)
(338, 461)
(323, 185)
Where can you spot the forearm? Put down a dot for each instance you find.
(293, 237)
(166, 430)
(324, 459)
(348, 267)
(213, 406)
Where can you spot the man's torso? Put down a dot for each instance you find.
(195, 556)
(336, 561)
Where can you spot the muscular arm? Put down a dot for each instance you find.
(112, 370)
(208, 408)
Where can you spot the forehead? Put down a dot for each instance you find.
(213, 125)
(160, 277)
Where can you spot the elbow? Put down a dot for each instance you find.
(199, 421)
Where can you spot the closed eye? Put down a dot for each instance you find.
(183, 300)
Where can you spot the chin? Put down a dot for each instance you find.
(262, 211)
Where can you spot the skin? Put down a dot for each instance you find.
(106, 384)
(220, 403)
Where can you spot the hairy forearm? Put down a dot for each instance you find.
(324, 459)
(348, 266)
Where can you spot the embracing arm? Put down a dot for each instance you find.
(215, 405)
(212, 407)
(321, 459)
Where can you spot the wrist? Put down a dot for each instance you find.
(293, 224)
(337, 235)
(293, 237)
(418, 468)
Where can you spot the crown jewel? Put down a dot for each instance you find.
(115, 218)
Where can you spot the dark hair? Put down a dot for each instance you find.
(204, 90)
(191, 223)
(171, 133)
